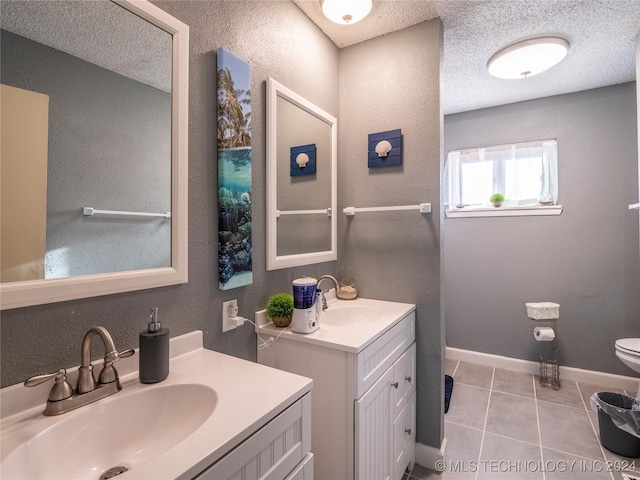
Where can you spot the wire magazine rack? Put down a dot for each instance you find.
(549, 367)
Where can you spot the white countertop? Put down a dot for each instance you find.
(352, 339)
(248, 396)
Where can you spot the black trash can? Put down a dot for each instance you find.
(612, 437)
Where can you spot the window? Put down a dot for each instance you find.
(525, 173)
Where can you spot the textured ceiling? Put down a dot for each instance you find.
(601, 32)
(99, 32)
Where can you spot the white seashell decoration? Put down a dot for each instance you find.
(302, 159)
(383, 148)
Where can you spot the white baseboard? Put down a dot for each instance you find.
(430, 457)
(609, 380)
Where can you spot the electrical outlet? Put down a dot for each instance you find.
(226, 314)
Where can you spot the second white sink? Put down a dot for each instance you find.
(349, 315)
(347, 325)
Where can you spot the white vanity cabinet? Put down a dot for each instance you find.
(278, 451)
(364, 402)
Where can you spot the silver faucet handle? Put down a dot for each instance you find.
(109, 373)
(61, 388)
(126, 353)
(115, 356)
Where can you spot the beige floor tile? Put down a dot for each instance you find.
(568, 395)
(468, 406)
(450, 366)
(564, 466)
(568, 429)
(505, 458)
(513, 416)
(516, 383)
(472, 374)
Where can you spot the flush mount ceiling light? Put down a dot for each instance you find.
(528, 57)
(346, 12)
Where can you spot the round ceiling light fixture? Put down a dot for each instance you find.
(346, 12)
(527, 58)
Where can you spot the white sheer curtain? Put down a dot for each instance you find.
(525, 173)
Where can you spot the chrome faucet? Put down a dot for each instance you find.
(62, 397)
(335, 282)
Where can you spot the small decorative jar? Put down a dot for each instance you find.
(347, 290)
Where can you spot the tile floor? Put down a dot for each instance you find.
(504, 425)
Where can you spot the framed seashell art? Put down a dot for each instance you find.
(385, 149)
(303, 160)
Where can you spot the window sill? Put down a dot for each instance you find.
(531, 210)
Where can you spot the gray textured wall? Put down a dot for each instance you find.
(585, 259)
(101, 125)
(391, 256)
(278, 40)
(387, 83)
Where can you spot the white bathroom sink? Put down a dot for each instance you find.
(125, 430)
(349, 315)
(347, 325)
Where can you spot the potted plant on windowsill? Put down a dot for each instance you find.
(496, 199)
(280, 309)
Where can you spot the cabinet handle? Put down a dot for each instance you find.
(394, 384)
(407, 431)
(408, 379)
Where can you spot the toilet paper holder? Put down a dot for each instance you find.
(549, 368)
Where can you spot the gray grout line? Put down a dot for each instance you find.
(486, 418)
(455, 369)
(535, 402)
(463, 425)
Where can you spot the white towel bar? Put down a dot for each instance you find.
(634, 206)
(89, 211)
(423, 207)
(326, 211)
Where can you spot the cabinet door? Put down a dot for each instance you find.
(373, 435)
(271, 453)
(304, 470)
(404, 379)
(404, 439)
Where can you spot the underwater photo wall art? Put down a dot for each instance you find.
(235, 267)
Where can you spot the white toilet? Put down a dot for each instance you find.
(628, 350)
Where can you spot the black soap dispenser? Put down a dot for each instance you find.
(154, 351)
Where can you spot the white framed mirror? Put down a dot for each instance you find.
(170, 144)
(301, 180)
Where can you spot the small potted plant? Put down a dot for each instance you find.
(497, 199)
(280, 309)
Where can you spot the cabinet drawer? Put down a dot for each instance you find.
(374, 360)
(272, 452)
(404, 439)
(404, 379)
(304, 470)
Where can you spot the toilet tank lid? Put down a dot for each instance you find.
(631, 344)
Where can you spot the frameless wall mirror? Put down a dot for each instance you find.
(301, 180)
(94, 149)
